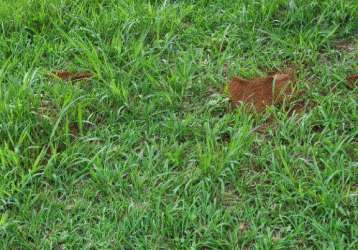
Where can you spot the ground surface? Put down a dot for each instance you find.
(147, 155)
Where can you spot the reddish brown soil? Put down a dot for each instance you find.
(260, 92)
(352, 80)
(72, 76)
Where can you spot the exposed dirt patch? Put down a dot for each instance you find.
(262, 129)
(72, 76)
(352, 80)
(261, 92)
(347, 46)
(74, 130)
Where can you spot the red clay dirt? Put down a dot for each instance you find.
(260, 92)
(72, 76)
(352, 80)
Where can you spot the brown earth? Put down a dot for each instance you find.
(352, 80)
(72, 76)
(260, 92)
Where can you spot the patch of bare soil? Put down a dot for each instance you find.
(261, 92)
(352, 80)
(72, 76)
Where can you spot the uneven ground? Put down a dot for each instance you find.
(147, 154)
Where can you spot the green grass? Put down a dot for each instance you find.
(146, 155)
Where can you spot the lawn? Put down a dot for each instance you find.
(148, 153)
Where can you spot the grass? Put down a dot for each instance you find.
(146, 155)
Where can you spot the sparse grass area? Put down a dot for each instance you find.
(146, 154)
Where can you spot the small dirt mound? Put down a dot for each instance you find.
(260, 92)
